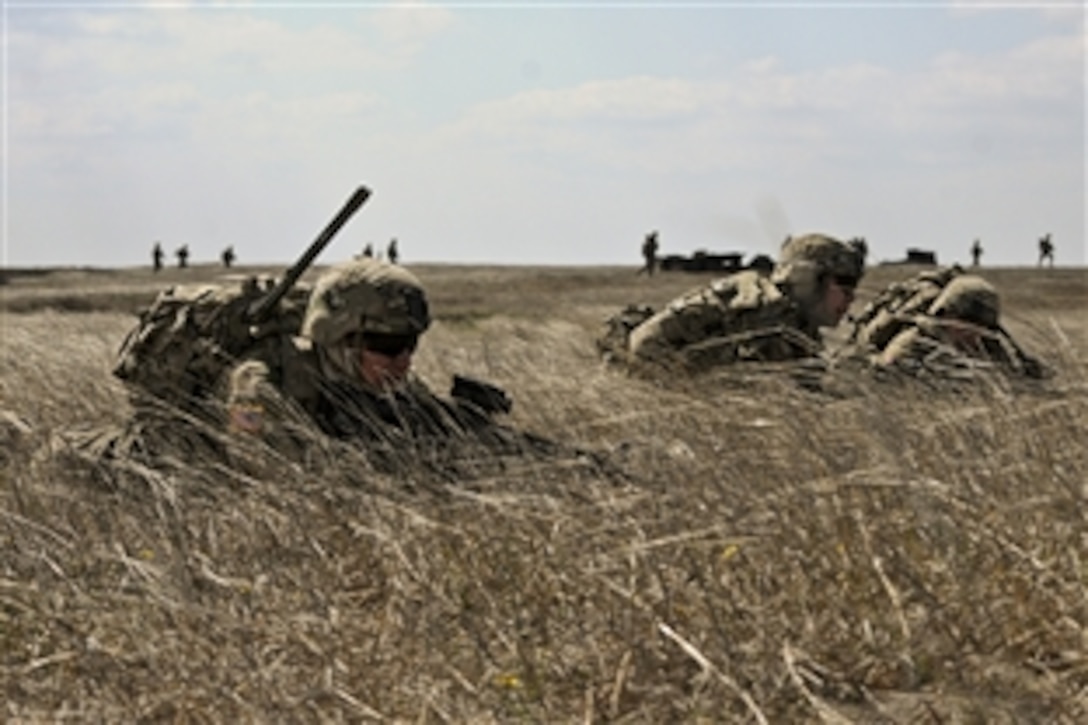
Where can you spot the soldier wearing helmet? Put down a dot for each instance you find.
(749, 316)
(364, 320)
(963, 321)
(350, 372)
(820, 274)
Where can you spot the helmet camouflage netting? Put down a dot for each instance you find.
(807, 259)
(365, 296)
(969, 298)
(829, 255)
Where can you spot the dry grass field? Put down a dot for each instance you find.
(876, 552)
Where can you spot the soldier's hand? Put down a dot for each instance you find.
(246, 417)
(246, 413)
(489, 398)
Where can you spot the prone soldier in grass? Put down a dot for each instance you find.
(940, 321)
(745, 316)
(211, 366)
(350, 372)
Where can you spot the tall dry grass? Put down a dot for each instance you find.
(879, 551)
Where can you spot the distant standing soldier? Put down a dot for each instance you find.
(368, 251)
(228, 257)
(391, 252)
(156, 256)
(976, 253)
(182, 254)
(649, 253)
(1046, 249)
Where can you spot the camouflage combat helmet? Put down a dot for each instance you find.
(969, 298)
(807, 259)
(365, 296)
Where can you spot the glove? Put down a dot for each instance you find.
(489, 398)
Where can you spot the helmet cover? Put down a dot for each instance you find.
(365, 296)
(807, 259)
(969, 298)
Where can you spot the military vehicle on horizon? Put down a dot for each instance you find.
(924, 257)
(703, 261)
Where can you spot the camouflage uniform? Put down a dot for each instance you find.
(897, 305)
(958, 329)
(319, 380)
(746, 316)
(205, 384)
(741, 317)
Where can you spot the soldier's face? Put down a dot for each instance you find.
(386, 359)
(836, 300)
(384, 371)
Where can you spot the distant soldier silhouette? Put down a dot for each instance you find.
(391, 252)
(1046, 250)
(182, 254)
(156, 256)
(368, 251)
(649, 253)
(228, 257)
(976, 253)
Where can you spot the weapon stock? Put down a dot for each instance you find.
(263, 306)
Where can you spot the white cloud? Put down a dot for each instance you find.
(630, 99)
(1055, 10)
(250, 119)
(258, 124)
(765, 114)
(181, 74)
(217, 42)
(409, 25)
(146, 44)
(1043, 69)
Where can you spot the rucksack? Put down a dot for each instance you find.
(894, 309)
(191, 336)
(188, 339)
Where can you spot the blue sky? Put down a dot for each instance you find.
(530, 133)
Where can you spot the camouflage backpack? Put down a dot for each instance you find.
(893, 309)
(190, 337)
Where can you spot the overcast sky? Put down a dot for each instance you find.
(534, 132)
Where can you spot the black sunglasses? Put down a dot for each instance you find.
(845, 281)
(389, 345)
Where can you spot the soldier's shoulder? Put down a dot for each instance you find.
(905, 342)
(748, 290)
